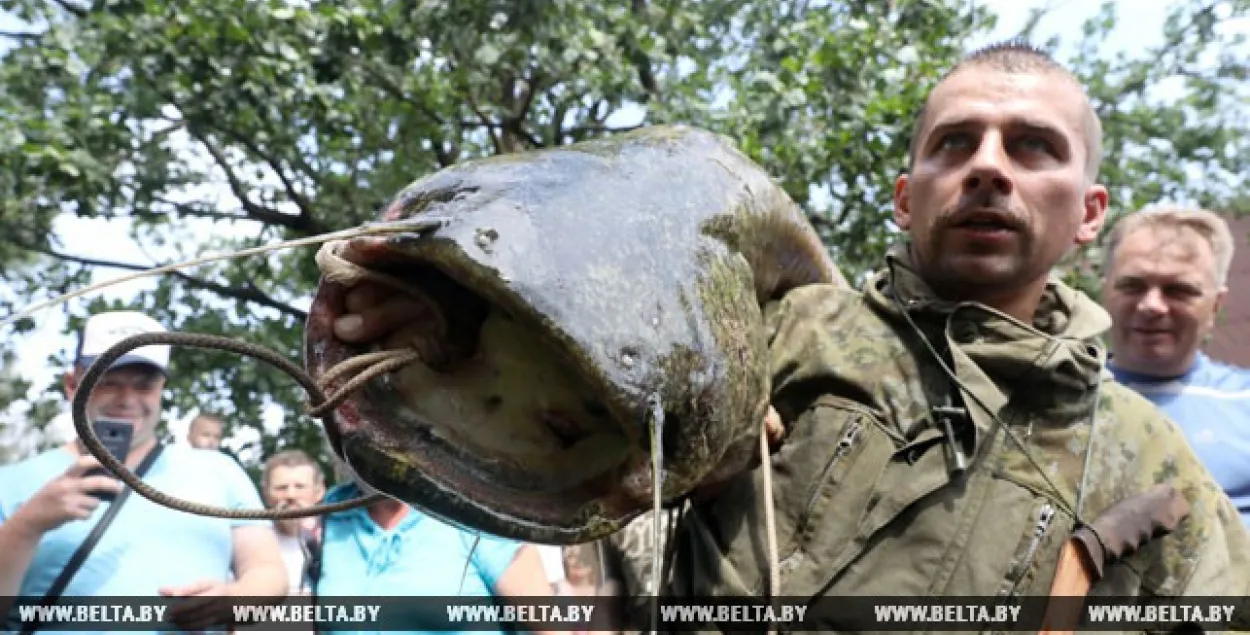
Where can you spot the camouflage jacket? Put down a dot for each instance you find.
(865, 500)
(629, 552)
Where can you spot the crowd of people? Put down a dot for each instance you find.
(1063, 408)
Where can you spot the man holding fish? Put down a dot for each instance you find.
(946, 429)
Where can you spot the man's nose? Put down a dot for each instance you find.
(988, 167)
(128, 395)
(1152, 302)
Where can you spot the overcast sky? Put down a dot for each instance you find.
(1140, 27)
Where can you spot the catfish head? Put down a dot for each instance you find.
(583, 309)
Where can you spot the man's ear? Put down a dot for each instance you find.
(1095, 215)
(1219, 304)
(902, 202)
(70, 382)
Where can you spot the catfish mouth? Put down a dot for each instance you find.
(495, 426)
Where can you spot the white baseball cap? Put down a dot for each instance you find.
(103, 330)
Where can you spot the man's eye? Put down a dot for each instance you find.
(1034, 144)
(1182, 291)
(955, 141)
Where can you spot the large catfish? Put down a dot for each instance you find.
(577, 300)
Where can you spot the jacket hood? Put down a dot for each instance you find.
(1063, 312)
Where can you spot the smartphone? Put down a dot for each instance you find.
(115, 435)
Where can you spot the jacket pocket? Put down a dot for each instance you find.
(830, 476)
(837, 493)
(726, 539)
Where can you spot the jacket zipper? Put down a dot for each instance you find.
(844, 447)
(1044, 517)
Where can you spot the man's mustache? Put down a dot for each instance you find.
(989, 207)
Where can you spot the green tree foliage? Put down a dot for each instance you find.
(12, 389)
(1174, 115)
(211, 126)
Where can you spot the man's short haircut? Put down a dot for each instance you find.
(211, 416)
(1018, 56)
(1207, 224)
(289, 458)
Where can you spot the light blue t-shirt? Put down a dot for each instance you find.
(422, 556)
(1211, 404)
(148, 546)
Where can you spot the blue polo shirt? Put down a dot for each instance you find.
(148, 546)
(1211, 404)
(422, 556)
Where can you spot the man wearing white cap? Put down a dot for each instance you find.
(49, 504)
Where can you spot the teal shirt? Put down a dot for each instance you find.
(422, 556)
(1211, 404)
(148, 546)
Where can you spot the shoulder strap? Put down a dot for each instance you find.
(313, 546)
(84, 549)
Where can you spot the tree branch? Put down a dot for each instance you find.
(646, 76)
(296, 198)
(77, 11)
(299, 199)
(560, 108)
(20, 36)
(184, 209)
(160, 135)
(305, 207)
(515, 122)
(250, 294)
(527, 98)
(254, 210)
(444, 157)
(395, 91)
(516, 128)
(258, 212)
(490, 126)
